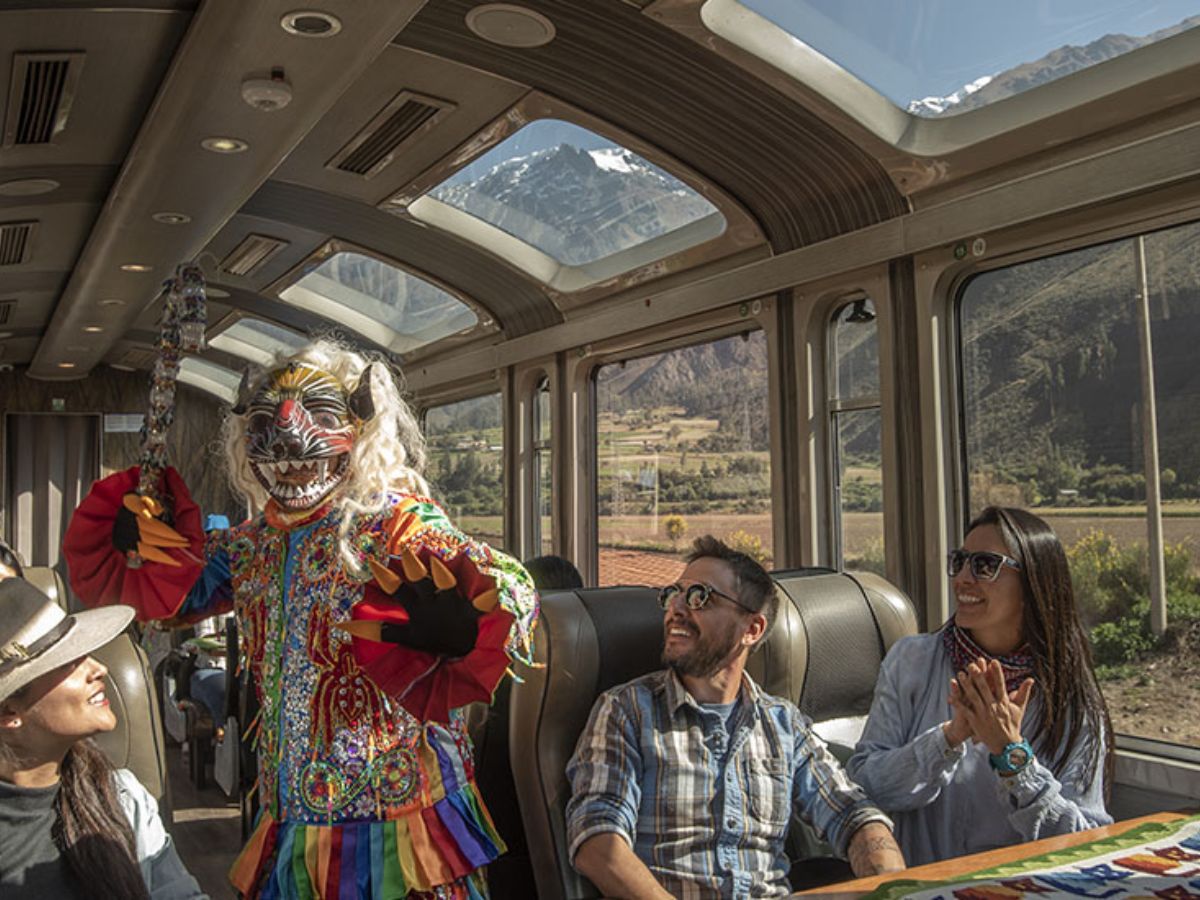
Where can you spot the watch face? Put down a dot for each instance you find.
(1017, 757)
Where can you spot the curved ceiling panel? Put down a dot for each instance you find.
(516, 302)
(804, 181)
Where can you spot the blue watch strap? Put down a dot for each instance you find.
(1003, 761)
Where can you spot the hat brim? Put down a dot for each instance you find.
(93, 629)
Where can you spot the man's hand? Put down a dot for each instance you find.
(873, 851)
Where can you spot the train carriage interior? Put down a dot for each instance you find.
(821, 278)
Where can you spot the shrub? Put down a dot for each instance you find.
(749, 544)
(869, 559)
(676, 527)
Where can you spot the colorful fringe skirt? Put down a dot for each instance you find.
(431, 850)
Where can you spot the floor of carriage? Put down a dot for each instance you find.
(206, 826)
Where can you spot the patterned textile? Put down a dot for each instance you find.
(707, 810)
(1017, 666)
(1157, 860)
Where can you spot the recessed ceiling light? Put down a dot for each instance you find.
(311, 23)
(171, 218)
(136, 267)
(510, 26)
(219, 293)
(93, 329)
(28, 187)
(224, 145)
(112, 301)
(66, 365)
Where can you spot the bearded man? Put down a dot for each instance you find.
(366, 618)
(684, 780)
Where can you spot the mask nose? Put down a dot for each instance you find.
(287, 414)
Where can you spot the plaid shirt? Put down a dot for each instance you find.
(706, 809)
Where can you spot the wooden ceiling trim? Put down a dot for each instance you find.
(803, 180)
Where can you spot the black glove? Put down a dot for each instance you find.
(125, 533)
(441, 622)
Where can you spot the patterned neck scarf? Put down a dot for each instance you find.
(1017, 666)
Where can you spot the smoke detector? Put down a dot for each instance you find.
(510, 25)
(267, 94)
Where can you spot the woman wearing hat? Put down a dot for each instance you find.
(70, 824)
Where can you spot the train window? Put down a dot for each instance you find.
(258, 341)
(682, 450)
(935, 59)
(383, 303)
(466, 455)
(543, 469)
(856, 437)
(578, 198)
(1057, 373)
(210, 377)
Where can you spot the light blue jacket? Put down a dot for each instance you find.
(948, 803)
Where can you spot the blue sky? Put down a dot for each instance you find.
(909, 49)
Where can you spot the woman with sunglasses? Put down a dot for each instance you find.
(991, 731)
(71, 826)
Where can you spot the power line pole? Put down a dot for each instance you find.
(1158, 575)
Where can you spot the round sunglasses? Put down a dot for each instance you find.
(695, 596)
(985, 565)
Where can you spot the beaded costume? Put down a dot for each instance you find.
(365, 767)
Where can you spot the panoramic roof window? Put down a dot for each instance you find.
(210, 377)
(387, 305)
(577, 196)
(258, 341)
(934, 58)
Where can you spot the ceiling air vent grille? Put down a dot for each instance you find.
(251, 254)
(40, 96)
(138, 359)
(374, 148)
(16, 242)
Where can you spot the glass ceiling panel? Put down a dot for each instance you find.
(937, 58)
(388, 305)
(258, 341)
(210, 377)
(574, 195)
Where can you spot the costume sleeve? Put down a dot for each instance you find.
(898, 772)
(605, 775)
(162, 869)
(1040, 805)
(98, 571)
(822, 794)
(430, 686)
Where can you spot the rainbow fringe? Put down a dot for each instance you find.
(383, 860)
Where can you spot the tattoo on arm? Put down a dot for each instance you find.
(875, 853)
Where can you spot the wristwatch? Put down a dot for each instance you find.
(1013, 758)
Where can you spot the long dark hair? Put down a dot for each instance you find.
(1072, 705)
(91, 828)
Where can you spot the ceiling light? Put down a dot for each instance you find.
(28, 187)
(171, 218)
(224, 145)
(112, 301)
(311, 23)
(93, 329)
(66, 365)
(136, 267)
(510, 26)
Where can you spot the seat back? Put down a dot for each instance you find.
(137, 741)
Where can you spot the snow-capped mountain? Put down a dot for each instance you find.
(935, 106)
(578, 205)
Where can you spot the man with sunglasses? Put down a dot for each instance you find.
(684, 780)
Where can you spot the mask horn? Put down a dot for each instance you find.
(242, 403)
(361, 402)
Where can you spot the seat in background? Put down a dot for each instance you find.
(137, 741)
(594, 639)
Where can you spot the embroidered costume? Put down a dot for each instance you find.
(367, 621)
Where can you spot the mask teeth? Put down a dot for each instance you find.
(322, 470)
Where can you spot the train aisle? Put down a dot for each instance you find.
(207, 828)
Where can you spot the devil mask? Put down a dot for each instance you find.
(300, 428)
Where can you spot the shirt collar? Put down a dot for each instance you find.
(678, 695)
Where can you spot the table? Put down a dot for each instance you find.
(964, 866)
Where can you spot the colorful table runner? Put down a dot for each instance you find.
(1157, 861)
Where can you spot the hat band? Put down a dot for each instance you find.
(14, 653)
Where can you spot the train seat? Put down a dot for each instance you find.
(594, 639)
(136, 743)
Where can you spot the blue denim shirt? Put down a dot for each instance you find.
(707, 809)
(950, 802)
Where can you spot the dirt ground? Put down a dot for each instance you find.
(1162, 700)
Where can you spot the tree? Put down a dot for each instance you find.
(676, 527)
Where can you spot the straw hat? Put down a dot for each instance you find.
(36, 636)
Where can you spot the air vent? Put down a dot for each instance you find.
(40, 97)
(16, 242)
(374, 148)
(6, 310)
(138, 359)
(252, 254)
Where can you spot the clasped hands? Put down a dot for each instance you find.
(984, 709)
